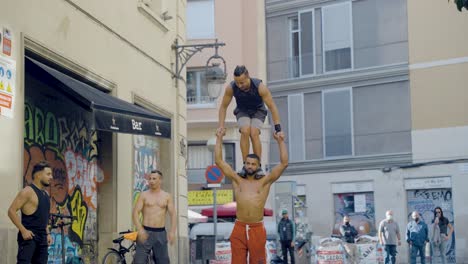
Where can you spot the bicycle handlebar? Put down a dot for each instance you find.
(63, 216)
(125, 232)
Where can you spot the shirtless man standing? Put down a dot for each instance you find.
(249, 235)
(154, 204)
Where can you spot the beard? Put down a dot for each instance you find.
(250, 172)
(46, 184)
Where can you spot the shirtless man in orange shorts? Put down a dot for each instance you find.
(249, 235)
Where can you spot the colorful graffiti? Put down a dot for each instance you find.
(363, 220)
(146, 158)
(425, 201)
(60, 133)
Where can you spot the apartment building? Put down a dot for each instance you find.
(241, 26)
(91, 88)
(372, 103)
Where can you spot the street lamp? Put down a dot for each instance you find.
(215, 75)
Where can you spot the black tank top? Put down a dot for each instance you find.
(37, 222)
(249, 101)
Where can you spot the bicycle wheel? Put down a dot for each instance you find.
(112, 257)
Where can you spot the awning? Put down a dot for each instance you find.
(110, 113)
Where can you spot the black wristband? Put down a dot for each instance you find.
(277, 128)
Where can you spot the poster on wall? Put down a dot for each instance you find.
(7, 86)
(425, 201)
(361, 212)
(359, 203)
(6, 39)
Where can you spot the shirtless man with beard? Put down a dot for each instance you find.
(249, 235)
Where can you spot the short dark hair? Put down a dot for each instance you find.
(254, 156)
(158, 172)
(239, 70)
(40, 166)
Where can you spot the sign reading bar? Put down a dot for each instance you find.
(206, 197)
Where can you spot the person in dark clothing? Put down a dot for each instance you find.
(34, 203)
(441, 233)
(287, 232)
(251, 96)
(348, 234)
(417, 236)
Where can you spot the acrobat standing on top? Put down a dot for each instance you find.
(251, 97)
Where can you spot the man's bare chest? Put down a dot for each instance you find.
(249, 188)
(156, 203)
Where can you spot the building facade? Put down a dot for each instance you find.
(241, 26)
(91, 88)
(351, 80)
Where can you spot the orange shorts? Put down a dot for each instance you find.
(248, 238)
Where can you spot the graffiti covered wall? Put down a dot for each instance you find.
(425, 201)
(360, 208)
(60, 132)
(146, 158)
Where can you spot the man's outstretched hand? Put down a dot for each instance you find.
(279, 136)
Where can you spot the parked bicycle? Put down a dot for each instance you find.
(115, 256)
(118, 256)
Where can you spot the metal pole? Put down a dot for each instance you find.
(62, 234)
(215, 217)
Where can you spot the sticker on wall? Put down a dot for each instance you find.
(7, 45)
(359, 203)
(7, 86)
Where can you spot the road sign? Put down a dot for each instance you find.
(213, 174)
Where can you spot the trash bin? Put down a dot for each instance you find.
(205, 247)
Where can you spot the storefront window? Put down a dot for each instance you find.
(360, 208)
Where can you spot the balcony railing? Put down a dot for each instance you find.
(192, 100)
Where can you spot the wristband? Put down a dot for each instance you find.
(277, 128)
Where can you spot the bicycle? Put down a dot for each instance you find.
(117, 256)
(114, 256)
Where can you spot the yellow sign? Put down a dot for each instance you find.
(206, 197)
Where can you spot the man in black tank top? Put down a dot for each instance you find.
(34, 203)
(251, 96)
